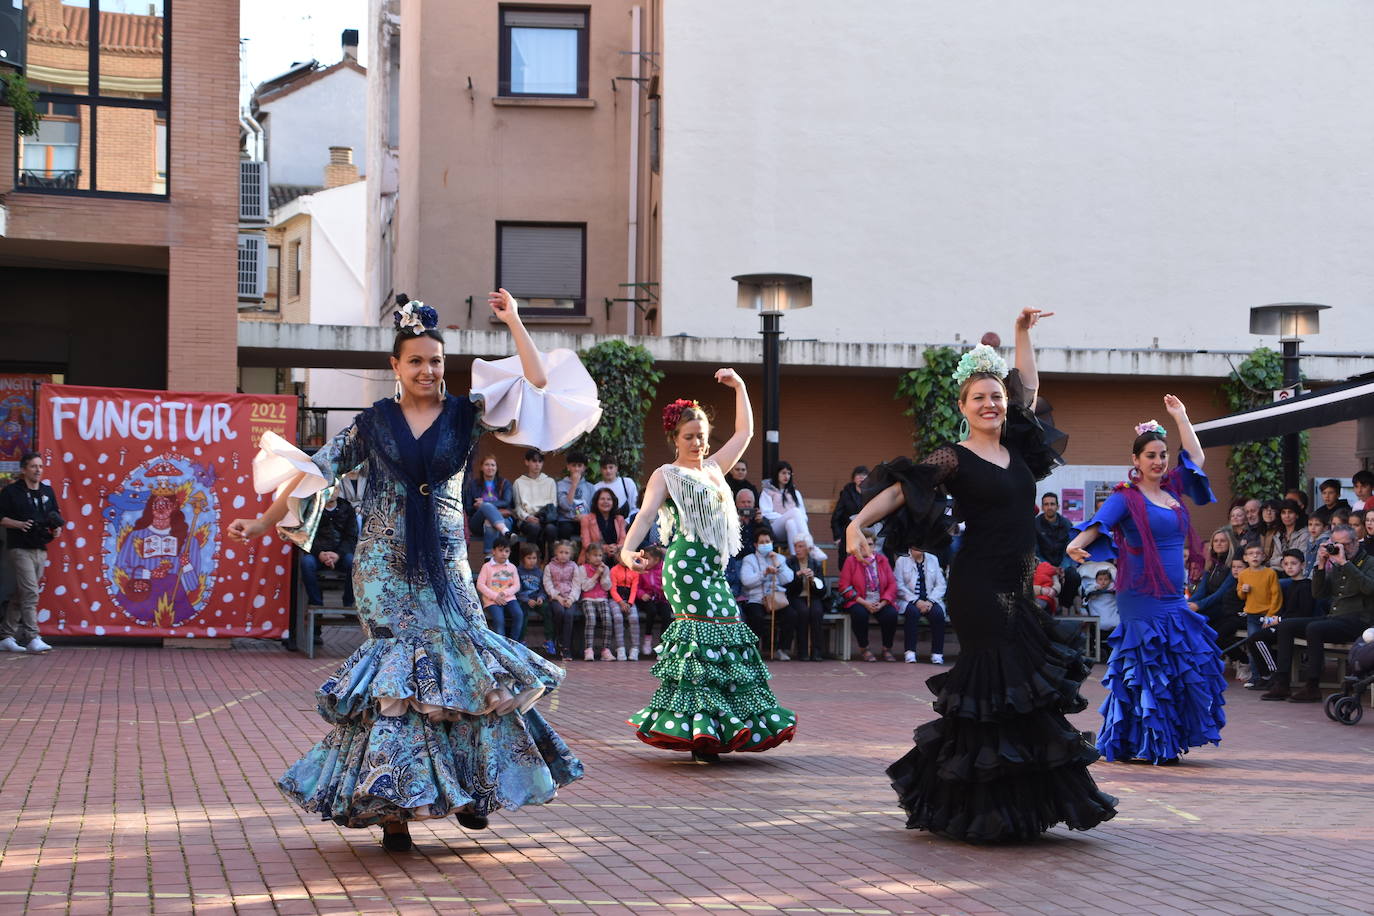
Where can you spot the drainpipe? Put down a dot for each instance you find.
(632, 243)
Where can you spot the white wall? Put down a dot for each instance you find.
(1149, 170)
(302, 125)
(338, 246)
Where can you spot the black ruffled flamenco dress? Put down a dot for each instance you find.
(1001, 763)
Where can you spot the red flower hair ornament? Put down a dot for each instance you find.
(672, 414)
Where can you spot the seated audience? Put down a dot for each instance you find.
(921, 596)
(868, 589)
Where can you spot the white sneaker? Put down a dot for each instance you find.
(37, 645)
(937, 659)
(909, 658)
(620, 654)
(634, 655)
(9, 645)
(781, 656)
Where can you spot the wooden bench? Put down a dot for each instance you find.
(1094, 628)
(840, 633)
(1340, 650)
(311, 615)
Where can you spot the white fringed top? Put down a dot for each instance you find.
(705, 508)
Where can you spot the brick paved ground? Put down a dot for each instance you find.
(141, 780)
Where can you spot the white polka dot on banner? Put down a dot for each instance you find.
(285, 549)
(80, 542)
(267, 624)
(81, 467)
(229, 553)
(99, 631)
(147, 448)
(86, 482)
(279, 570)
(44, 615)
(67, 456)
(71, 526)
(259, 601)
(198, 450)
(102, 458)
(60, 590)
(210, 631)
(239, 501)
(87, 509)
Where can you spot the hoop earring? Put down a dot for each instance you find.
(1133, 475)
(398, 389)
(963, 426)
(443, 391)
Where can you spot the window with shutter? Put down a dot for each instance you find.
(543, 265)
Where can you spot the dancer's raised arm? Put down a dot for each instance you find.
(1187, 437)
(504, 306)
(1025, 353)
(734, 447)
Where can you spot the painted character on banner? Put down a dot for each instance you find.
(160, 542)
(16, 428)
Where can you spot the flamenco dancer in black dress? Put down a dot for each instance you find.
(1001, 763)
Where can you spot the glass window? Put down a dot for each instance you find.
(293, 269)
(100, 71)
(543, 52)
(543, 265)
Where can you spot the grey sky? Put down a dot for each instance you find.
(281, 32)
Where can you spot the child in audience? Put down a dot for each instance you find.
(1046, 585)
(498, 583)
(624, 593)
(562, 585)
(654, 610)
(594, 582)
(1297, 588)
(1259, 586)
(1099, 597)
(532, 596)
(1317, 535)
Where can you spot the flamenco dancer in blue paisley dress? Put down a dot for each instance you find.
(1001, 763)
(1164, 680)
(434, 713)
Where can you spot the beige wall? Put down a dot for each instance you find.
(467, 163)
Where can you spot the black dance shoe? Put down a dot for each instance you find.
(399, 841)
(704, 757)
(472, 821)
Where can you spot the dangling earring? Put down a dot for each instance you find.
(443, 390)
(963, 427)
(1133, 475)
(398, 389)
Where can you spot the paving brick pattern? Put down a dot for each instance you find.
(141, 780)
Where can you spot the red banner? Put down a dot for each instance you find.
(17, 398)
(147, 481)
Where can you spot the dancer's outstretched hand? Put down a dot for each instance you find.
(729, 378)
(1028, 317)
(856, 542)
(1175, 407)
(1078, 554)
(503, 306)
(247, 529)
(636, 561)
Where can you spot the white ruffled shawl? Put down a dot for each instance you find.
(705, 511)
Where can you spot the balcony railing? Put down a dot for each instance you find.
(50, 179)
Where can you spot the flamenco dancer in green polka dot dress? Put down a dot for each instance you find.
(715, 697)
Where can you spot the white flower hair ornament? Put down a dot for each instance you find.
(416, 317)
(981, 358)
(1151, 426)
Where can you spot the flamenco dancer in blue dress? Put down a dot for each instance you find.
(433, 714)
(1164, 679)
(1001, 763)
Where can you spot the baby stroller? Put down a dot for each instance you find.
(1345, 707)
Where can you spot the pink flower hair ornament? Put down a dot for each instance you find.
(1151, 426)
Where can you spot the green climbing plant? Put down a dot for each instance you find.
(930, 394)
(626, 382)
(1257, 467)
(15, 92)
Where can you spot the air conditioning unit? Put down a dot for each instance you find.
(253, 205)
(252, 267)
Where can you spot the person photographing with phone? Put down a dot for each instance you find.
(1344, 574)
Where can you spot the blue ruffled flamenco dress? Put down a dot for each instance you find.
(1165, 680)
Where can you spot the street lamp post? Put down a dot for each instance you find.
(770, 295)
(1289, 321)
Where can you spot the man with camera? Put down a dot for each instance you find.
(1344, 574)
(30, 517)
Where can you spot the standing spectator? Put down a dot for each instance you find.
(488, 498)
(1345, 575)
(1331, 500)
(594, 582)
(532, 596)
(655, 614)
(750, 519)
(1297, 588)
(498, 583)
(574, 496)
(738, 479)
(535, 494)
(624, 598)
(335, 540)
(921, 594)
(1363, 482)
(764, 576)
(563, 586)
(869, 589)
(785, 508)
(603, 524)
(1292, 534)
(806, 594)
(1052, 535)
(626, 490)
(848, 503)
(30, 515)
